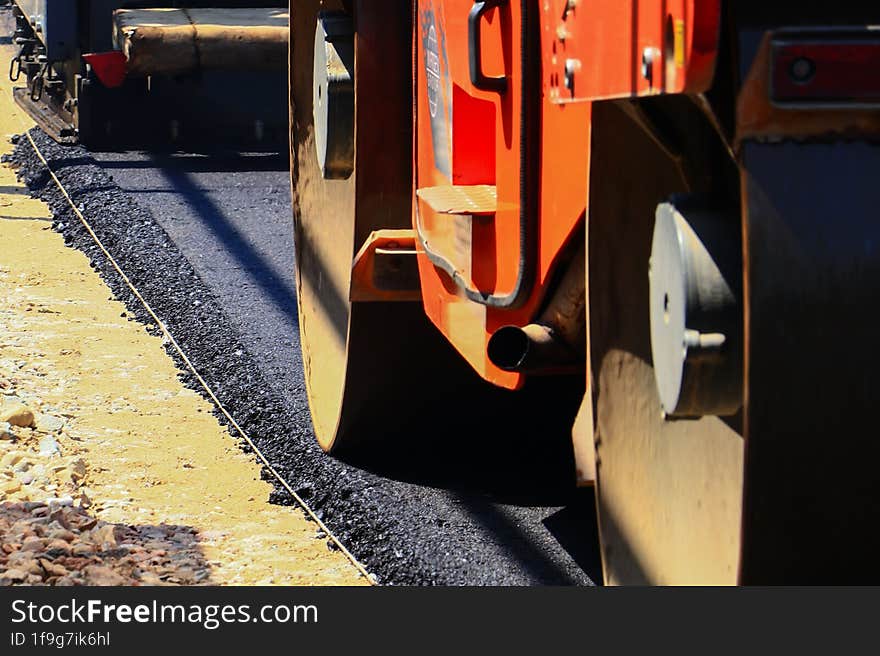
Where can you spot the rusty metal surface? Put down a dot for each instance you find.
(173, 41)
(46, 117)
(566, 311)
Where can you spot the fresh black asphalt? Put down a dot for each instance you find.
(208, 241)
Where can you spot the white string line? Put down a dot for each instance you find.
(192, 368)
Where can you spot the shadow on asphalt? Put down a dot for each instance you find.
(482, 445)
(178, 172)
(205, 162)
(576, 528)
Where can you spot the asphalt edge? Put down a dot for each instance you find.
(141, 246)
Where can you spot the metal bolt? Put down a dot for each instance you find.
(647, 63)
(649, 56)
(561, 33)
(802, 70)
(572, 66)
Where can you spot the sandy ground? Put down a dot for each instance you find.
(117, 438)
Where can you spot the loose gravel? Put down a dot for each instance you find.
(48, 534)
(61, 544)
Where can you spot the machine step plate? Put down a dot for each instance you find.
(460, 199)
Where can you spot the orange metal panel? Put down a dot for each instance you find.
(600, 49)
(455, 122)
(469, 136)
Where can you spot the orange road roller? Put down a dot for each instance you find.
(652, 225)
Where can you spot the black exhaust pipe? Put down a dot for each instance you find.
(533, 349)
(556, 342)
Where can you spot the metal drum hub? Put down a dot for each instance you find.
(333, 98)
(696, 316)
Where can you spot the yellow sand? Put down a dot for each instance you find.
(155, 453)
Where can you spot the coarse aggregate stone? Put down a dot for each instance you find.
(48, 534)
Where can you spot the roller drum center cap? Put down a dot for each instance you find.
(333, 95)
(695, 294)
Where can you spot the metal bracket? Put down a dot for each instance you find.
(386, 268)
